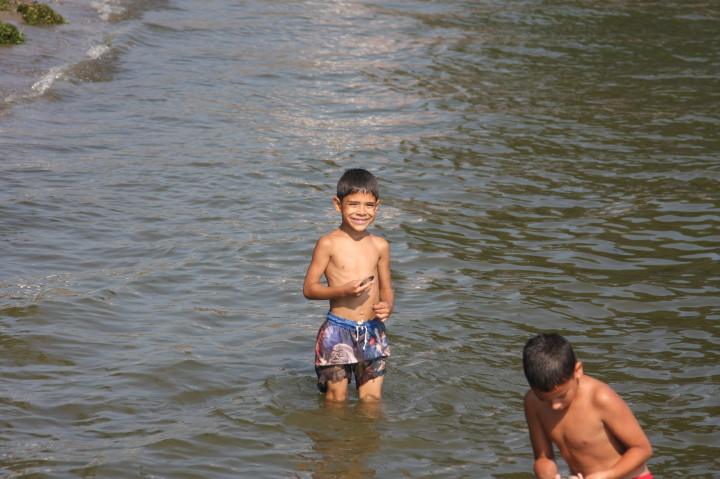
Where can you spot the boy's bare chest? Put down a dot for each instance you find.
(348, 267)
(576, 430)
(352, 255)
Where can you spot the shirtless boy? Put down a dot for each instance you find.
(594, 429)
(356, 265)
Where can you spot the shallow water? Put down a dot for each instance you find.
(167, 167)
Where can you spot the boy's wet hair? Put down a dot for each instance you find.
(548, 361)
(357, 180)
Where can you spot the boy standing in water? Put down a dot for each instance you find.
(597, 434)
(356, 265)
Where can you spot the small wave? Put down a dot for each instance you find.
(60, 72)
(98, 51)
(55, 73)
(107, 9)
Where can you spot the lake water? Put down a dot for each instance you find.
(167, 166)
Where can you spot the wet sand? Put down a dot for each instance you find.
(13, 17)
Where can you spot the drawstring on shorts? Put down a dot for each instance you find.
(361, 326)
(346, 347)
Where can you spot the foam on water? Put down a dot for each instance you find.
(98, 51)
(108, 9)
(55, 73)
(60, 72)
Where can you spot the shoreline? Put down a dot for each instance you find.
(6, 16)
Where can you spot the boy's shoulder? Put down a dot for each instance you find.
(333, 235)
(593, 385)
(531, 401)
(601, 395)
(378, 239)
(592, 388)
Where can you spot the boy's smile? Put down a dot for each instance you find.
(357, 209)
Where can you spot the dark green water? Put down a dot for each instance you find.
(166, 168)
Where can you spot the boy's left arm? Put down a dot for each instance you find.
(622, 424)
(384, 308)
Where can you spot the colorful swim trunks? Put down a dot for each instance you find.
(341, 341)
(345, 347)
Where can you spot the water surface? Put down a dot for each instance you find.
(167, 167)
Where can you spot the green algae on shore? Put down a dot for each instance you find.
(9, 34)
(39, 14)
(32, 13)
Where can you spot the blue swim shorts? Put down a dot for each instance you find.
(345, 348)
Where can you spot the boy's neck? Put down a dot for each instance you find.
(356, 235)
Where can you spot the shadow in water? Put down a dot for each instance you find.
(344, 438)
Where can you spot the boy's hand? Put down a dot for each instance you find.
(358, 287)
(382, 310)
(596, 475)
(546, 468)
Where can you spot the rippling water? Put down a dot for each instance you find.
(167, 167)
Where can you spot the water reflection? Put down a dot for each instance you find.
(345, 438)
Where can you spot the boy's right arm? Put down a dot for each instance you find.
(545, 466)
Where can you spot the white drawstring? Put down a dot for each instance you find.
(358, 326)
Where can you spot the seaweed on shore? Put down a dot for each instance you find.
(9, 34)
(39, 14)
(33, 13)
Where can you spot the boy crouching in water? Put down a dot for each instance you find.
(597, 434)
(356, 265)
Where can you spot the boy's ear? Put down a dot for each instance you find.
(337, 203)
(578, 370)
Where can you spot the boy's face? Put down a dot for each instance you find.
(562, 396)
(357, 210)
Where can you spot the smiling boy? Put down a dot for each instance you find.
(356, 265)
(594, 429)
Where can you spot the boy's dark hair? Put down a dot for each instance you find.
(548, 361)
(357, 180)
